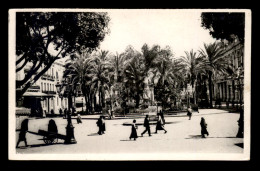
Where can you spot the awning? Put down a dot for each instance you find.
(36, 94)
(22, 110)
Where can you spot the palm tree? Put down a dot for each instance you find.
(215, 61)
(100, 75)
(167, 74)
(193, 65)
(117, 65)
(78, 70)
(134, 78)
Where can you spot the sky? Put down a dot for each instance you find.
(180, 29)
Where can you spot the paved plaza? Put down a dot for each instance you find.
(183, 135)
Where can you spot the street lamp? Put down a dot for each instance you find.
(70, 139)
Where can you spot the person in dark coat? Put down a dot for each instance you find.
(203, 125)
(65, 113)
(79, 119)
(60, 112)
(240, 133)
(160, 123)
(52, 127)
(133, 131)
(103, 127)
(99, 124)
(147, 126)
(23, 131)
(189, 112)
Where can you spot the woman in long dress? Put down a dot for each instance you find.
(189, 112)
(203, 125)
(160, 123)
(133, 132)
(23, 131)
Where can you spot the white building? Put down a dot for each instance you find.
(43, 92)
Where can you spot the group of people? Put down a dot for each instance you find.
(52, 128)
(102, 128)
(159, 126)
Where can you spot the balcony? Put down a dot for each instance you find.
(44, 77)
(49, 92)
(35, 87)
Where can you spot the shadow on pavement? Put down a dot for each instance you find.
(151, 123)
(39, 145)
(199, 137)
(94, 134)
(128, 140)
(240, 145)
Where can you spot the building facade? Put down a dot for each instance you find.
(228, 89)
(43, 94)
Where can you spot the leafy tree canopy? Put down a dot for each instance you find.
(224, 25)
(42, 38)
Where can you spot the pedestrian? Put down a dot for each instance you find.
(160, 123)
(133, 131)
(240, 133)
(109, 113)
(60, 112)
(189, 112)
(99, 124)
(103, 127)
(112, 113)
(147, 126)
(65, 113)
(79, 119)
(73, 111)
(23, 131)
(52, 127)
(204, 130)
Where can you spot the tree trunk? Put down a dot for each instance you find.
(137, 98)
(210, 90)
(28, 84)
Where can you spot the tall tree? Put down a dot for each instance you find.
(193, 65)
(43, 38)
(224, 25)
(79, 71)
(100, 74)
(216, 63)
(167, 74)
(134, 78)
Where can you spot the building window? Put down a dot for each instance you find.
(57, 76)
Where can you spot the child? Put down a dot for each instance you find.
(133, 133)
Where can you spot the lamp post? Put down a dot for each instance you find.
(70, 139)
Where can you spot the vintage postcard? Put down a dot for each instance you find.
(129, 84)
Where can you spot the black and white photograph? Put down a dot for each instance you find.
(129, 84)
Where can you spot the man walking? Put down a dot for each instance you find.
(23, 131)
(147, 126)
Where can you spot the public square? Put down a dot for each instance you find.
(183, 135)
(111, 68)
